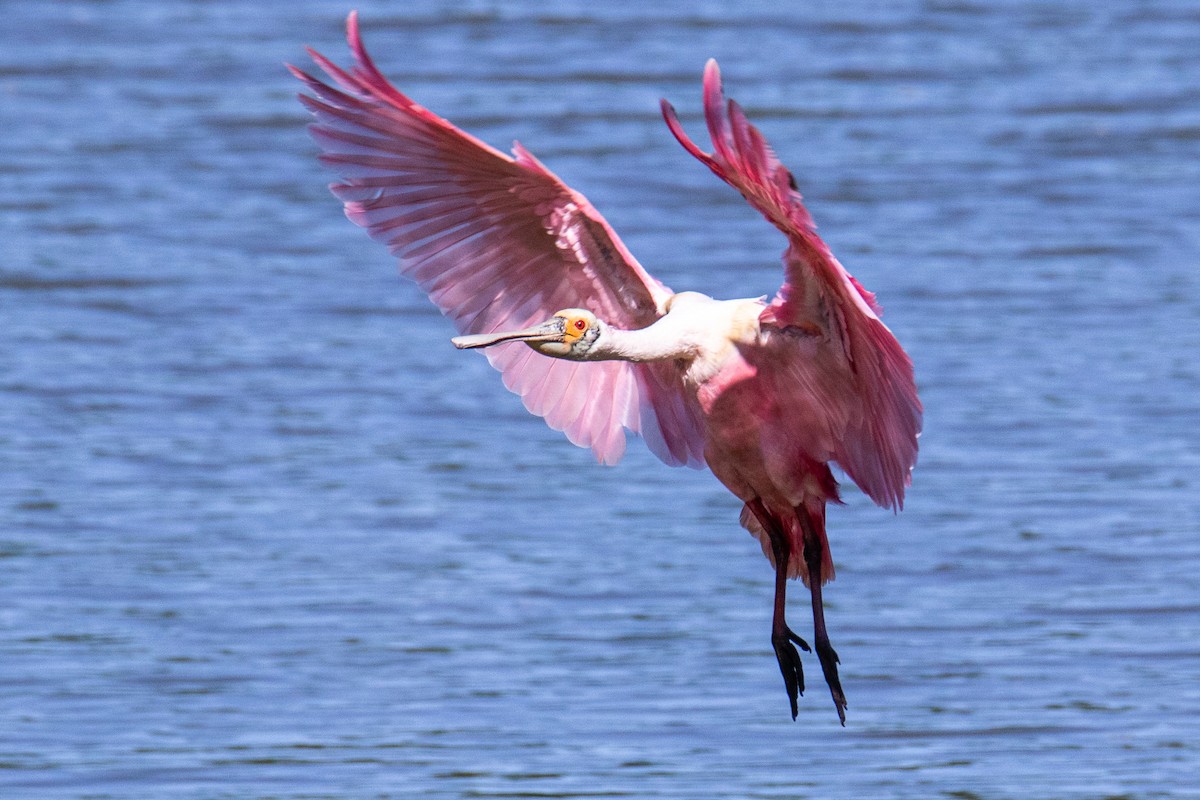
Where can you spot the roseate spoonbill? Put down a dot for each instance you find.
(767, 395)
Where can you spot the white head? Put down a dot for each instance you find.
(569, 334)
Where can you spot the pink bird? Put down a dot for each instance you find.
(767, 395)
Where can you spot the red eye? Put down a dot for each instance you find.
(580, 324)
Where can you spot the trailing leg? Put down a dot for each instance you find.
(814, 558)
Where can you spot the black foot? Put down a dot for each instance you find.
(829, 662)
(790, 666)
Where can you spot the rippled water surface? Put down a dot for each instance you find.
(264, 534)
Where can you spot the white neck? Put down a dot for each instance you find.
(653, 343)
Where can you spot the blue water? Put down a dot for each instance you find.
(264, 534)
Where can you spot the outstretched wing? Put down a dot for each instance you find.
(500, 243)
(866, 394)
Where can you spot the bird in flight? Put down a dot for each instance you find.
(765, 394)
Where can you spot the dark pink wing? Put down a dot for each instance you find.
(500, 243)
(866, 395)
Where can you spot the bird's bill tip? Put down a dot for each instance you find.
(476, 340)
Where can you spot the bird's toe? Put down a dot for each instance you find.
(829, 661)
(790, 666)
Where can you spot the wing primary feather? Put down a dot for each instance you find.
(497, 241)
(869, 396)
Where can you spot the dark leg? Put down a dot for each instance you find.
(782, 636)
(814, 555)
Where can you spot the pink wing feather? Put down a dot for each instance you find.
(866, 398)
(500, 243)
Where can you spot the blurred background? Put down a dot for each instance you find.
(264, 534)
